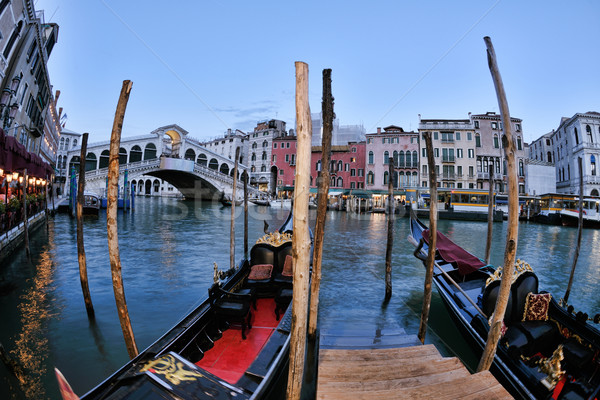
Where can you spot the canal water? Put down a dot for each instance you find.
(168, 248)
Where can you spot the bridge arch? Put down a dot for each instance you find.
(190, 154)
(104, 158)
(135, 154)
(202, 159)
(122, 156)
(224, 169)
(213, 164)
(91, 162)
(150, 151)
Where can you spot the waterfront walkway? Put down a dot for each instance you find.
(360, 362)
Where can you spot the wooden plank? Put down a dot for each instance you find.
(366, 354)
(393, 371)
(389, 384)
(367, 342)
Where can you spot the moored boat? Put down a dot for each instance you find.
(91, 204)
(285, 204)
(545, 351)
(234, 345)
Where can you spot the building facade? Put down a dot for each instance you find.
(27, 42)
(346, 167)
(577, 137)
(340, 134)
(490, 152)
(283, 161)
(454, 148)
(541, 149)
(226, 145)
(260, 144)
(403, 147)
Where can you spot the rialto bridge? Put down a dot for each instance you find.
(168, 154)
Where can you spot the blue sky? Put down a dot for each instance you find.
(212, 65)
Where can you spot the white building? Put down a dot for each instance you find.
(539, 177)
(341, 135)
(577, 137)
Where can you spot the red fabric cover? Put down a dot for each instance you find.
(451, 253)
(259, 272)
(536, 307)
(288, 266)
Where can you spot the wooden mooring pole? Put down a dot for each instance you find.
(25, 216)
(579, 232)
(512, 232)
(111, 221)
(232, 225)
(323, 182)
(390, 232)
(432, 237)
(300, 239)
(80, 247)
(245, 176)
(490, 225)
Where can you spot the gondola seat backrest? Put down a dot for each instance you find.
(282, 252)
(526, 283)
(262, 253)
(489, 298)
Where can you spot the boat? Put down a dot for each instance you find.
(460, 204)
(569, 215)
(234, 345)
(91, 204)
(550, 205)
(261, 202)
(227, 202)
(536, 358)
(285, 204)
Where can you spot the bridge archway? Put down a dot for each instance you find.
(135, 154)
(150, 151)
(224, 169)
(213, 164)
(104, 158)
(91, 162)
(175, 141)
(148, 188)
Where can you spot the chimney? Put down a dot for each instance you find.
(378, 130)
(56, 96)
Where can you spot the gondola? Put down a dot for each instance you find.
(545, 351)
(227, 202)
(234, 345)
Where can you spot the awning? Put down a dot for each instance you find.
(15, 157)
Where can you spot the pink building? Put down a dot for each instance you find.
(403, 147)
(347, 166)
(283, 161)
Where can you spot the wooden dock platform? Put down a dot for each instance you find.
(366, 363)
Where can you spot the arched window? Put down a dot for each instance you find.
(156, 185)
(588, 129)
(318, 166)
(265, 144)
(253, 157)
(401, 159)
(401, 179)
(263, 168)
(370, 157)
(67, 142)
(477, 140)
(254, 145)
(74, 143)
(332, 181)
(396, 161)
(59, 162)
(415, 180)
(340, 182)
(549, 157)
(386, 157)
(593, 164)
(521, 171)
(122, 155)
(576, 137)
(224, 169)
(202, 160)
(385, 177)
(90, 162)
(497, 166)
(415, 159)
(150, 151)
(370, 178)
(190, 154)
(340, 165)
(135, 154)
(12, 39)
(408, 159)
(253, 169)
(213, 164)
(496, 142)
(62, 143)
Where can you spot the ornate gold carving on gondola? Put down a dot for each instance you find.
(275, 239)
(551, 367)
(174, 371)
(520, 268)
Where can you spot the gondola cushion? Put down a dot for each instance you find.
(260, 272)
(489, 298)
(576, 356)
(531, 337)
(536, 307)
(288, 266)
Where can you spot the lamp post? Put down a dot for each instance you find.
(8, 181)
